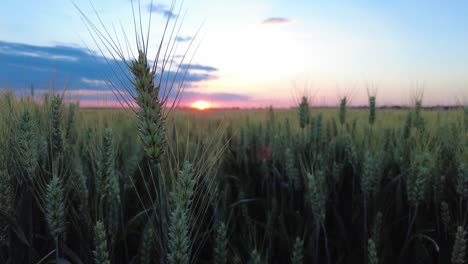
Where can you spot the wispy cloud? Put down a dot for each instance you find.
(190, 96)
(27, 67)
(198, 67)
(82, 93)
(101, 103)
(83, 76)
(276, 21)
(161, 9)
(94, 82)
(183, 39)
(43, 54)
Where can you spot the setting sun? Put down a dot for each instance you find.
(201, 105)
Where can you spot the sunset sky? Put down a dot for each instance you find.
(252, 53)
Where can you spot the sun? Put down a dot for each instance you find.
(201, 105)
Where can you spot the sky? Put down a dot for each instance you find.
(246, 53)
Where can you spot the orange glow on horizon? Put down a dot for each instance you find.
(201, 105)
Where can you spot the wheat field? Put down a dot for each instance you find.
(154, 183)
(337, 185)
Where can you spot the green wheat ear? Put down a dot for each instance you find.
(185, 187)
(372, 110)
(55, 208)
(151, 118)
(342, 114)
(27, 146)
(420, 171)
(221, 245)
(108, 183)
(179, 241)
(147, 244)
(297, 256)
(318, 132)
(71, 132)
(304, 113)
(112, 182)
(79, 180)
(459, 247)
(351, 151)
(370, 177)
(56, 137)
(317, 195)
(419, 121)
(101, 255)
(111, 185)
(291, 171)
(408, 125)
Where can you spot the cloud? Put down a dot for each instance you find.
(189, 96)
(198, 67)
(21, 67)
(28, 67)
(82, 93)
(161, 9)
(89, 92)
(183, 39)
(94, 82)
(276, 21)
(18, 50)
(100, 103)
(54, 52)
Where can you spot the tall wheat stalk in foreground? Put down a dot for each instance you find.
(151, 89)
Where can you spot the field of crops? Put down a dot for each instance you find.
(304, 185)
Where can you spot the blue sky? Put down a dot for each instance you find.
(255, 53)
